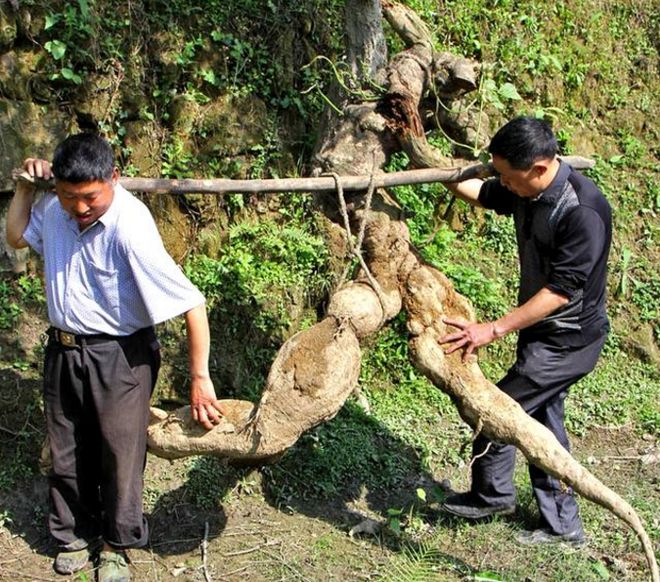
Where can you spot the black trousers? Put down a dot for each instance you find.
(96, 397)
(538, 381)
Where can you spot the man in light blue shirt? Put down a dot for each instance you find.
(108, 280)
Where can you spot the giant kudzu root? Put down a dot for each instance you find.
(316, 370)
(313, 374)
(484, 407)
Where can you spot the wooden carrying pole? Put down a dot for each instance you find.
(320, 184)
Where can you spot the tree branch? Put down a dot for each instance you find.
(320, 184)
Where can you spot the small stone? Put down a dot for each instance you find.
(367, 526)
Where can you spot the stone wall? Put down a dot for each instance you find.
(38, 110)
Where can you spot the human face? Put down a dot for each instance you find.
(525, 183)
(86, 202)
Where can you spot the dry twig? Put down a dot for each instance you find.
(205, 545)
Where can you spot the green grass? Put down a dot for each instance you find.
(453, 549)
(261, 286)
(261, 269)
(338, 458)
(608, 397)
(18, 293)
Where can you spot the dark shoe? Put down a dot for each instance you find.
(70, 562)
(113, 567)
(545, 536)
(466, 506)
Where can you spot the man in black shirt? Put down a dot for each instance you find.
(563, 230)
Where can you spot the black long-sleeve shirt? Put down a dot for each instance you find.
(564, 237)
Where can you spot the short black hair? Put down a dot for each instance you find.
(83, 157)
(524, 140)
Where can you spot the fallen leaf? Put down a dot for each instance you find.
(650, 459)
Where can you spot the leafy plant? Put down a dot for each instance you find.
(5, 517)
(9, 309)
(206, 487)
(393, 522)
(263, 266)
(607, 398)
(176, 162)
(622, 289)
(71, 31)
(16, 294)
(646, 297)
(499, 96)
(421, 562)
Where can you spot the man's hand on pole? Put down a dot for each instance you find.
(469, 337)
(38, 168)
(20, 207)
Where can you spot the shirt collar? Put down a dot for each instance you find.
(554, 190)
(111, 215)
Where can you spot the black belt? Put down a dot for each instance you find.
(71, 339)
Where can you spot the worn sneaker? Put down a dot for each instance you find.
(466, 506)
(545, 536)
(113, 567)
(70, 562)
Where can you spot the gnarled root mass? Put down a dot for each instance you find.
(311, 377)
(484, 407)
(317, 369)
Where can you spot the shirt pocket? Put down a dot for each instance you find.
(104, 287)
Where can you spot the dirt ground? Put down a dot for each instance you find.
(247, 537)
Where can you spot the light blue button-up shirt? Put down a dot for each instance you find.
(114, 277)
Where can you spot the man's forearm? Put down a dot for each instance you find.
(18, 215)
(199, 340)
(468, 190)
(532, 311)
(204, 406)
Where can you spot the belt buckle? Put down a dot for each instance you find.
(67, 339)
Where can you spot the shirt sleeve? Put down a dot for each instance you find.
(580, 241)
(165, 290)
(494, 196)
(33, 233)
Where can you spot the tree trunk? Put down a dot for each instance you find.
(365, 43)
